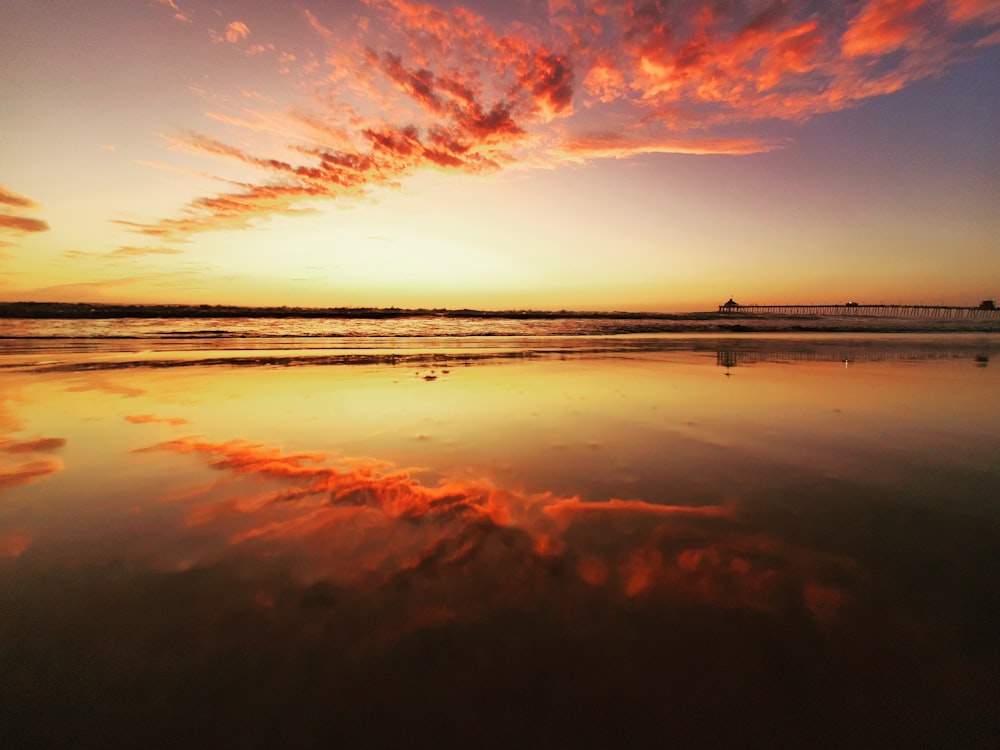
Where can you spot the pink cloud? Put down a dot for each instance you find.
(235, 31)
(405, 86)
(178, 13)
(318, 27)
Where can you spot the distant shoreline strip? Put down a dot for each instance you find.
(87, 311)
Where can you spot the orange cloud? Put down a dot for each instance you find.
(22, 224)
(393, 492)
(724, 65)
(549, 78)
(13, 199)
(413, 86)
(618, 146)
(27, 472)
(986, 11)
(13, 543)
(41, 445)
(390, 153)
(234, 33)
(19, 223)
(883, 26)
(151, 419)
(360, 517)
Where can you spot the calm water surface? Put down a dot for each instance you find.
(501, 542)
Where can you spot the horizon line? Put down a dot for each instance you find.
(117, 309)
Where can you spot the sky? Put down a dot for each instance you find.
(568, 154)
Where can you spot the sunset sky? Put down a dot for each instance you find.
(582, 154)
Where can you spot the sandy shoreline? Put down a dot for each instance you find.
(71, 354)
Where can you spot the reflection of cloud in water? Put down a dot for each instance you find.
(29, 471)
(741, 353)
(26, 471)
(17, 472)
(442, 352)
(353, 605)
(13, 543)
(152, 419)
(96, 383)
(40, 445)
(8, 422)
(365, 521)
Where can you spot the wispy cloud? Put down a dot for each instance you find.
(16, 223)
(152, 419)
(9, 198)
(317, 26)
(883, 26)
(178, 13)
(234, 32)
(130, 251)
(984, 11)
(21, 474)
(40, 445)
(22, 223)
(614, 145)
(93, 290)
(402, 86)
(162, 166)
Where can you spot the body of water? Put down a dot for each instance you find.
(447, 326)
(286, 534)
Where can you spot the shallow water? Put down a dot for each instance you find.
(40, 333)
(504, 542)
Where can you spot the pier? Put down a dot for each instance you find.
(983, 312)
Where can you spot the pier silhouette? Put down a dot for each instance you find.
(986, 310)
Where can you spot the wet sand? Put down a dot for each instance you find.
(787, 542)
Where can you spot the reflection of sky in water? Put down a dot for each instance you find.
(638, 544)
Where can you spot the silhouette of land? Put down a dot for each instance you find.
(73, 310)
(87, 310)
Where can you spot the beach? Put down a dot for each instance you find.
(519, 375)
(539, 541)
